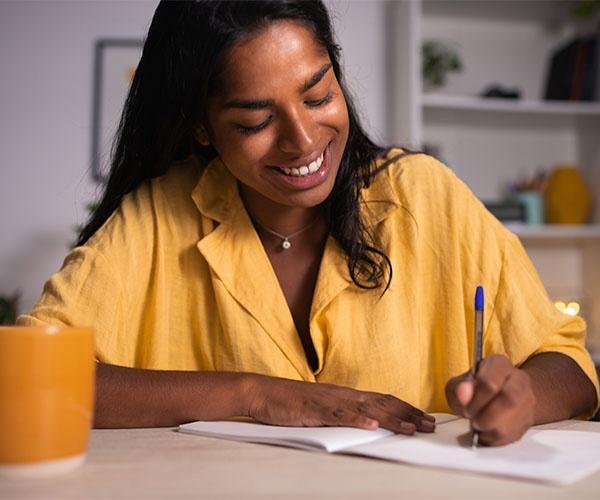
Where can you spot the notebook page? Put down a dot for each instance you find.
(554, 456)
(330, 439)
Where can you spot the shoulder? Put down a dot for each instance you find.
(434, 197)
(412, 175)
(159, 205)
(415, 181)
(165, 194)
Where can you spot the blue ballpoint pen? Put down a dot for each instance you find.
(477, 347)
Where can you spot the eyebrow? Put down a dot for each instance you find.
(316, 78)
(265, 103)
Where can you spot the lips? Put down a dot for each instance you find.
(296, 179)
(304, 170)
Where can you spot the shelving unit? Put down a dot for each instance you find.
(556, 232)
(470, 103)
(490, 142)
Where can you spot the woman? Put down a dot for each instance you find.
(252, 240)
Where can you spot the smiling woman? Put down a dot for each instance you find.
(240, 261)
(276, 110)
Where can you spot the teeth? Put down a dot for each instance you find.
(311, 168)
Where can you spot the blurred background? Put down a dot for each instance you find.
(506, 93)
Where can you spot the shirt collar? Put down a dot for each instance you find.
(216, 193)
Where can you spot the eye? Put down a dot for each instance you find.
(255, 128)
(319, 102)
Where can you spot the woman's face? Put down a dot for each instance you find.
(279, 120)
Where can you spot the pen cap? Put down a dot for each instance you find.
(479, 299)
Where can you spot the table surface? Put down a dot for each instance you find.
(163, 463)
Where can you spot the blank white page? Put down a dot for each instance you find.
(553, 456)
(330, 439)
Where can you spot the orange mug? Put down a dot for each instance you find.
(46, 398)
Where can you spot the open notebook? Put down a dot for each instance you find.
(558, 456)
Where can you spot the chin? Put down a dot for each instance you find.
(314, 197)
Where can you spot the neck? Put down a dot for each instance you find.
(282, 219)
(270, 218)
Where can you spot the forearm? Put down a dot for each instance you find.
(130, 397)
(561, 388)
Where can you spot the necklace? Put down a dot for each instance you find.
(286, 245)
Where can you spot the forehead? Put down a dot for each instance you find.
(283, 54)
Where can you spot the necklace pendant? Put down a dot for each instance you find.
(286, 244)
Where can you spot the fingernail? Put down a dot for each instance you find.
(372, 423)
(427, 425)
(408, 427)
(426, 416)
(464, 393)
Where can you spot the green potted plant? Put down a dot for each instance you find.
(9, 307)
(438, 60)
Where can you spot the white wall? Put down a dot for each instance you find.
(46, 50)
(360, 27)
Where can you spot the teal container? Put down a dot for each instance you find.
(533, 206)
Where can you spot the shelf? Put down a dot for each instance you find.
(441, 101)
(556, 232)
(491, 141)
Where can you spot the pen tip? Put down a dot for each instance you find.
(474, 440)
(479, 299)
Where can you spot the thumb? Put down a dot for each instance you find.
(459, 392)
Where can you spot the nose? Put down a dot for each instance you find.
(298, 133)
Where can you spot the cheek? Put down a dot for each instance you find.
(242, 151)
(337, 116)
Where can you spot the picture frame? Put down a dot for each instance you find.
(115, 62)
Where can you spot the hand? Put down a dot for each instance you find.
(500, 401)
(288, 402)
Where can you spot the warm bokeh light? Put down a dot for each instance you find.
(570, 309)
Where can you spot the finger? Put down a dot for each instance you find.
(401, 409)
(506, 418)
(396, 415)
(404, 425)
(398, 425)
(422, 424)
(491, 377)
(344, 417)
(390, 421)
(464, 392)
(459, 392)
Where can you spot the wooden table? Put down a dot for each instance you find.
(162, 463)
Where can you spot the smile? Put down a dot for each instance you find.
(304, 170)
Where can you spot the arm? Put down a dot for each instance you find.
(560, 387)
(131, 397)
(504, 401)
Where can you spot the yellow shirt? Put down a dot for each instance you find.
(178, 279)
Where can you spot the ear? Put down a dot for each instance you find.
(202, 136)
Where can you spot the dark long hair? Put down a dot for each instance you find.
(171, 85)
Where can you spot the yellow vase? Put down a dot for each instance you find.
(567, 199)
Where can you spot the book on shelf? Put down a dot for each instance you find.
(507, 210)
(573, 71)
